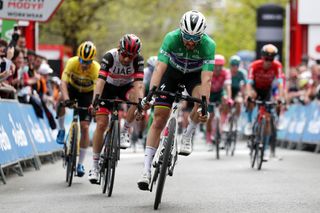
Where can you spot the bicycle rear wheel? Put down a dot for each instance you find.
(72, 156)
(165, 164)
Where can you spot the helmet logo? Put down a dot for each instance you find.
(193, 17)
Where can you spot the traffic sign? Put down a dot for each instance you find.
(40, 10)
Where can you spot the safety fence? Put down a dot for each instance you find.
(23, 136)
(297, 127)
(300, 125)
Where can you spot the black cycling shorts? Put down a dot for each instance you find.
(84, 100)
(170, 80)
(263, 94)
(111, 91)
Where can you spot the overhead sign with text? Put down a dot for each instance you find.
(31, 10)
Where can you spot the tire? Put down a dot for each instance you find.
(66, 161)
(112, 158)
(260, 149)
(217, 138)
(71, 167)
(165, 164)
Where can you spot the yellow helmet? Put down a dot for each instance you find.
(87, 51)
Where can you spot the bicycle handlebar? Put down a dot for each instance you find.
(102, 102)
(178, 96)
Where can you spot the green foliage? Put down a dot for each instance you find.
(76, 21)
(105, 21)
(236, 25)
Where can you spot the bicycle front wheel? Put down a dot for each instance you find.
(260, 145)
(218, 138)
(166, 162)
(72, 156)
(112, 156)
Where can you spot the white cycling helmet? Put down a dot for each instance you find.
(152, 61)
(193, 23)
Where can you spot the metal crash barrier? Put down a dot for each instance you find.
(23, 136)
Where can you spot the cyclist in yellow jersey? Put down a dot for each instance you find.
(78, 82)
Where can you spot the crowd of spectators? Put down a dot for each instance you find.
(27, 76)
(303, 83)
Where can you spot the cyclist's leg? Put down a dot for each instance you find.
(266, 95)
(131, 92)
(249, 109)
(84, 100)
(73, 93)
(162, 107)
(192, 82)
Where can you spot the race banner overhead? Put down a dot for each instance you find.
(31, 10)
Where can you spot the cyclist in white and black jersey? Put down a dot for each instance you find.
(120, 76)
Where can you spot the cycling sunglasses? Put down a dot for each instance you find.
(125, 54)
(266, 58)
(85, 62)
(194, 38)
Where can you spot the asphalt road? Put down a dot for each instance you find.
(200, 184)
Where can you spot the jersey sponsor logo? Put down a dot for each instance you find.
(122, 70)
(82, 82)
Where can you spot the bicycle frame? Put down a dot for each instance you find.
(176, 107)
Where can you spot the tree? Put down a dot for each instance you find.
(235, 25)
(104, 22)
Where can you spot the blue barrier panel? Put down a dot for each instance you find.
(8, 152)
(297, 123)
(311, 132)
(21, 138)
(41, 139)
(283, 124)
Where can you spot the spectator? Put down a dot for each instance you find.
(6, 70)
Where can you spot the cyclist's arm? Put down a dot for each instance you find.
(206, 77)
(160, 69)
(65, 80)
(280, 81)
(250, 82)
(138, 65)
(227, 84)
(163, 61)
(105, 64)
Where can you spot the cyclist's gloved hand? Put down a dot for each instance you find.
(202, 118)
(139, 115)
(68, 103)
(230, 102)
(145, 104)
(92, 110)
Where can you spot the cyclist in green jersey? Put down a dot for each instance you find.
(239, 80)
(186, 57)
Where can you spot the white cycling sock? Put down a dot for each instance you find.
(95, 160)
(82, 154)
(190, 128)
(61, 122)
(148, 157)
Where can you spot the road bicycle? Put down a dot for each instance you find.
(166, 155)
(71, 145)
(231, 134)
(111, 147)
(258, 140)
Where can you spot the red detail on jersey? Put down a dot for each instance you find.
(104, 73)
(138, 75)
(263, 78)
